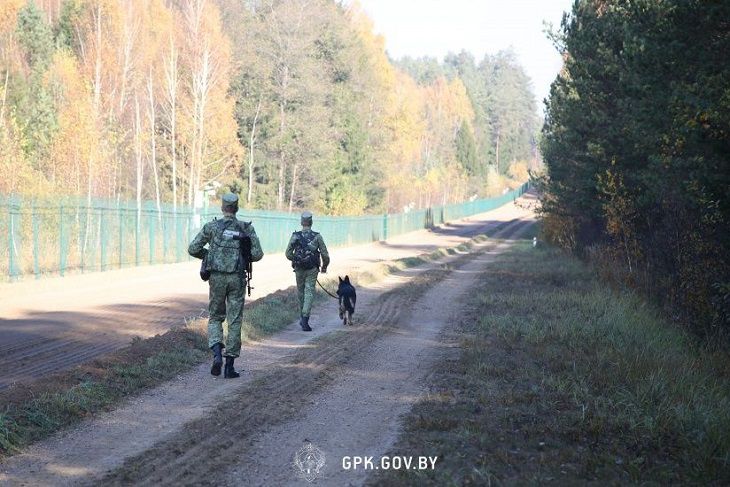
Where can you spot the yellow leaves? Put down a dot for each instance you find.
(496, 183)
(376, 59)
(9, 14)
(145, 88)
(446, 106)
(222, 138)
(420, 124)
(518, 171)
(159, 21)
(8, 22)
(77, 142)
(15, 170)
(405, 121)
(461, 103)
(65, 80)
(206, 62)
(448, 103)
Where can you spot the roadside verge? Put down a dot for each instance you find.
(556, 378)
(63, 399)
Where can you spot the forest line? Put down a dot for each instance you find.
(636, 144)
(290, 103)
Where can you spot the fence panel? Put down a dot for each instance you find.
(40, 237)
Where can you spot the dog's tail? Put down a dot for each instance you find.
(349, 305)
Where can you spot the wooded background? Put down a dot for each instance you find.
(291, 103)
(637, 147)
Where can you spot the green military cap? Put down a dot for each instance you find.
(230, 202)
(307, 218)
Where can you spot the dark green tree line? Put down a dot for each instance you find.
(636, 143)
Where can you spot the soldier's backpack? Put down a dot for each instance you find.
(306, 252)
(229, 240)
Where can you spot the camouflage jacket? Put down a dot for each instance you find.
(318, 241)
(222, 251)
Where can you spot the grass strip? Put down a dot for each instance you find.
(556, 378)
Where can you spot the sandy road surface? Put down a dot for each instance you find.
(344, 391)
(56, 323)
(359, 414)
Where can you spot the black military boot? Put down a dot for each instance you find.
(229, 372)
(304, 323)
(217, 359)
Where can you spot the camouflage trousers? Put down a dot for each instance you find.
(306, 281)
(226, 303)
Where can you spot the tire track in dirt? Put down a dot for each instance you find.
(49, 354)
(359, 414)
(42, 344)
(62, 335)
(176, 460)
(106, 441)
(148, 421)
(198, 455)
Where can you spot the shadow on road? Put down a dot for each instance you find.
(43, 342)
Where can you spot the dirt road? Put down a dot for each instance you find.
(53, 324)
(342, 391)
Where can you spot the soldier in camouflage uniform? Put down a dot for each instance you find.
(304, 250)
(227, 281)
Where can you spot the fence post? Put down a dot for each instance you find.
(120, 211)
(165, 222)
(102, 240)
(137, 222)
(178, 237)
(61, 241)
(151, 228)
(36, 265)
(82, 236)
(385, 227)
(11, 240)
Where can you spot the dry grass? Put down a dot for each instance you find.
(559, 379)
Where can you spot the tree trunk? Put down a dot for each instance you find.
(152, 116)
(171, 78)
(138, 158)
(5, 95)
(97, 63)
(282, 165)
(252, 140)
(293, 185)
(202, 79)
(498, 169)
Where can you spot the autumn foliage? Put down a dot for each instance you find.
(290, 103)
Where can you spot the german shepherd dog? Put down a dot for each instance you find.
(348, 297)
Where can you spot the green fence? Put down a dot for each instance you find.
(74, 235)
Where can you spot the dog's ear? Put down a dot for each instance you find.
(338, 277)
(347, 279)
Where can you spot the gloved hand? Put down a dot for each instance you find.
(324, 269)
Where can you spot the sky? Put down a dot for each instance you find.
(435, 27)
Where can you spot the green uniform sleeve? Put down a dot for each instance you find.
(197, 246)
(323, 251)
(256, 252)
(289, 253)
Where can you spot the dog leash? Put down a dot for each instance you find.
(323, 289)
